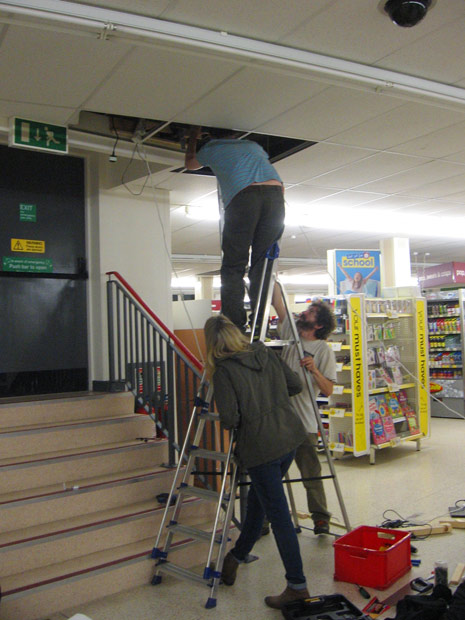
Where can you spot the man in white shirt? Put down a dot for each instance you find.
(313, 326)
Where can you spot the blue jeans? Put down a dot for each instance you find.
(253, 219)
(266, 497)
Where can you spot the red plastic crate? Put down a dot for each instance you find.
(372, 556)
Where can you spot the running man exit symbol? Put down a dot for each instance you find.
(38, 136)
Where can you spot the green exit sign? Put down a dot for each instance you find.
(38, 136)
(27, 213)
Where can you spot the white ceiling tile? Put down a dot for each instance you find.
(249, 18)
(442, 188)
(441, 143)
(51, 67)
(248, 98)
(158, 83)
(396, 202)
(431, 59)
(301, 195)
(332, 111)
(317, 160)
(373, 167)
(150, 8)
(457, 157)
(414, 178)
(44, 113)
(328, 32)
(371, 35)
(394, 127)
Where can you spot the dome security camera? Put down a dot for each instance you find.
(407, 13)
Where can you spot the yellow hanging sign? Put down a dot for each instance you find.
(359, 408)
(28, 245)
(422, 361)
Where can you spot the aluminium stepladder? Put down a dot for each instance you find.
(182, 488)
(268, 281)
(225, 498)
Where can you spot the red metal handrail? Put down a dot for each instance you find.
(191, 357)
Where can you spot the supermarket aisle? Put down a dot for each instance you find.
(418, 485)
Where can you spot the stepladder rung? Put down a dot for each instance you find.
(191, 491)
(212, 455)
(179, 571)
(195, 532)
(278, 343)
(214, 417)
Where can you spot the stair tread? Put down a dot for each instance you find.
(82, 483)
(63, 396)
(61, 526)
(69, 423)
(29, 579)
(44, 456)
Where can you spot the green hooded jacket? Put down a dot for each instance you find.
(251, 391)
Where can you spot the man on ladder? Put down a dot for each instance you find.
(313, 326)
(253, 201)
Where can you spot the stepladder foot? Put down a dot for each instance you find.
(156, 579)
(211, 602)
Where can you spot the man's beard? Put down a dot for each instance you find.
(302, 324)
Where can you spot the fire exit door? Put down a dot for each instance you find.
(43, 307)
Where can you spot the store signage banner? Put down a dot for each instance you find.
(447, 274)
(357, 271)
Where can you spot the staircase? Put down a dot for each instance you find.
(79, 477)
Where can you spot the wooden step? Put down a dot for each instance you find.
(38, 593)
(29, 507)
(61, 467)
(65, 539)
(36, 438)
(48, 410)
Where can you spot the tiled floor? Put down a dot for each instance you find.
(418, 485)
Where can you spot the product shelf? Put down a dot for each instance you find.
(446, 308)
(391, 388)
(383, 345)
(444, 316)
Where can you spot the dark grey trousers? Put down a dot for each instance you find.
(254, 219)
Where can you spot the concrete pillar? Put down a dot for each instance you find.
(395, 261)
(204, 287)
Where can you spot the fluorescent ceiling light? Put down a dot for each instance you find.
(371, 220)
(357, 220)
(204, 213)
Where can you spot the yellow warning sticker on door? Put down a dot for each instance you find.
(28, 245)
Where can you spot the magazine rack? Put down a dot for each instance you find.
(381, 398)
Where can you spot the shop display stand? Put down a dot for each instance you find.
(381, 398)
(446, 352)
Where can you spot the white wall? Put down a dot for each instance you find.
(131, 235)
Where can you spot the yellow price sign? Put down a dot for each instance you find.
(28, 245)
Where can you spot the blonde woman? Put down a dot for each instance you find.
(252, 386)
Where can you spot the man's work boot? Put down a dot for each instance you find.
(230, 565)
(321, 527)
(289, 595)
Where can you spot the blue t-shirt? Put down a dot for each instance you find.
(236, 164)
